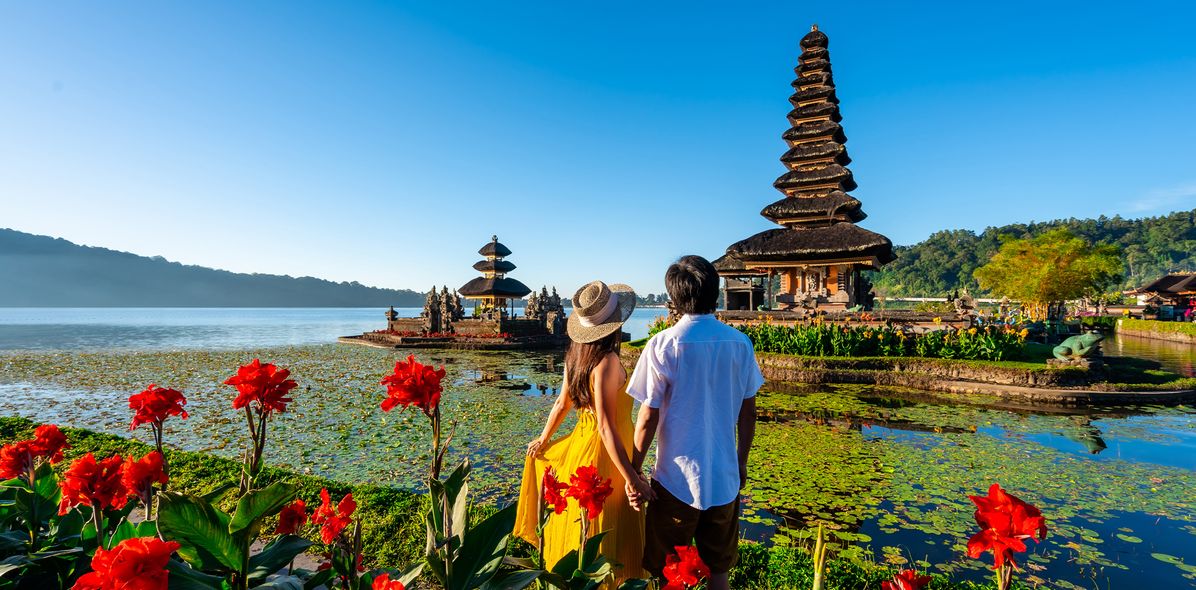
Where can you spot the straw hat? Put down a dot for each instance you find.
(599, 311)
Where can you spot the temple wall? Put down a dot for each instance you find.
(473, 327)
(523, 327)
(405, 325)
(832, 280)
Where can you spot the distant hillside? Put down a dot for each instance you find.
(1150, 247)
(40, 271)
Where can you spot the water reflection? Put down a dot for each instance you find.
(1175, 356)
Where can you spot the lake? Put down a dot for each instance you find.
(888, 470)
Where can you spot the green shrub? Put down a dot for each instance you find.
(826, 339)
(1188, 328)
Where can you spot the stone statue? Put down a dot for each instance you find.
(1079, 347)
(391, 314)
(431, 313)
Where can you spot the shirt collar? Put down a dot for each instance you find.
(694, 317)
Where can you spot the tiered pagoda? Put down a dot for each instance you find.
(494, 289)
(819, 251)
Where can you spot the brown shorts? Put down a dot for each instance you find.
(669, 522)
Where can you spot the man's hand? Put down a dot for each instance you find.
(742, 476)
(639, 492)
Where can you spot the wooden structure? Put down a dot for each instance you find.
(814, 260)
(493, 290)
(1173, 295)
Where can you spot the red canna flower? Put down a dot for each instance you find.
(554, 492)
(906, 580)
(134, 564)
(1005, 522)
(88, 483)
(16, 459)
(413, 384)
(333, 521)
(684, 569)
(292, 518)
(139, 476)
(266, 385)
(383, 582)
(155, 404)
(589, 489)
(49, 442)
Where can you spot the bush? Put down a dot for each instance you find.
(1188, 328)
(990, 343)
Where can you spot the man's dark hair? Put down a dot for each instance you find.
(692, 283)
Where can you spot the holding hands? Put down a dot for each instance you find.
(639, 491)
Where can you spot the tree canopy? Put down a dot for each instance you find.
(945, 261)
(1050, 268)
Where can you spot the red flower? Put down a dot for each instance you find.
(134, 564)
(333, 521)
(684, 569)
(906, 580)
(139, 476)
(16, 459)
(266, 385)
(292, 518)
(383, 582)
(155, 404)
(589, 489)
(413, 384)
(554, 491)
(1005, 522)
(87, 483)
(49, 442)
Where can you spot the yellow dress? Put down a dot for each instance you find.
(623, 545)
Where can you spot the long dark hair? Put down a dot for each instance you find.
(580, 362)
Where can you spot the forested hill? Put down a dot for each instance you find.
(40, 271)
(1150, 248)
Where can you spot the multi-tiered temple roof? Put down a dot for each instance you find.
(494, 284)
(816, 213)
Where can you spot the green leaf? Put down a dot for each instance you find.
(276, 556)
(282, 582)
(12, 564)
(215, 493)
(201, 530)
(456, 494)
(590, 555)
(634, 585)
(482, 552)
(258, 504)
(184, 577)
(128, 530)
(320, 578)
(512, 580)
(408, 576)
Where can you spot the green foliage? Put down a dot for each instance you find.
(1151, 247)
(826, 339)
(1048, 268)
(658, 325)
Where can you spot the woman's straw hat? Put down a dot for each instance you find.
(599, 311)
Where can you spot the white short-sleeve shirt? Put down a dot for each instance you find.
(697, 373)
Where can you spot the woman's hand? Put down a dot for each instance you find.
(639, 491)
(533, 448)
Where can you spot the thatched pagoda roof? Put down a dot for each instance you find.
(817, 150)
(816, 109)
(504, 287)
(494, 248)
(839, 240)
(809, 175)
(830, 130)
(814, 38)
(499, 266)
(1173, 284)
(821, 205)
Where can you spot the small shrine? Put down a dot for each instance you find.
(492, 322)
(818, 253)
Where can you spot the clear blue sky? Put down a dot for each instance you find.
(384, 142)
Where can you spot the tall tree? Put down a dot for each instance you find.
(1050, 268)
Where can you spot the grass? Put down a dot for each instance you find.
(393, 529)
(1188, 328)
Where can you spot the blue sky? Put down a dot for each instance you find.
(384, 142)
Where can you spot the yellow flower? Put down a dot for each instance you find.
(938, 320)
(1025, 332)
(900, 334)
(972, 331)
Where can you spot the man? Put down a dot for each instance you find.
(696, 383)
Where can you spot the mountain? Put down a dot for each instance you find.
(1151, 247)
(40, 271)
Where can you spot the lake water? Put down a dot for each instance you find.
(156, 328)
(889, 470)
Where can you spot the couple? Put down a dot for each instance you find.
(696, 384)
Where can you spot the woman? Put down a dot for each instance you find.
(593, 385)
